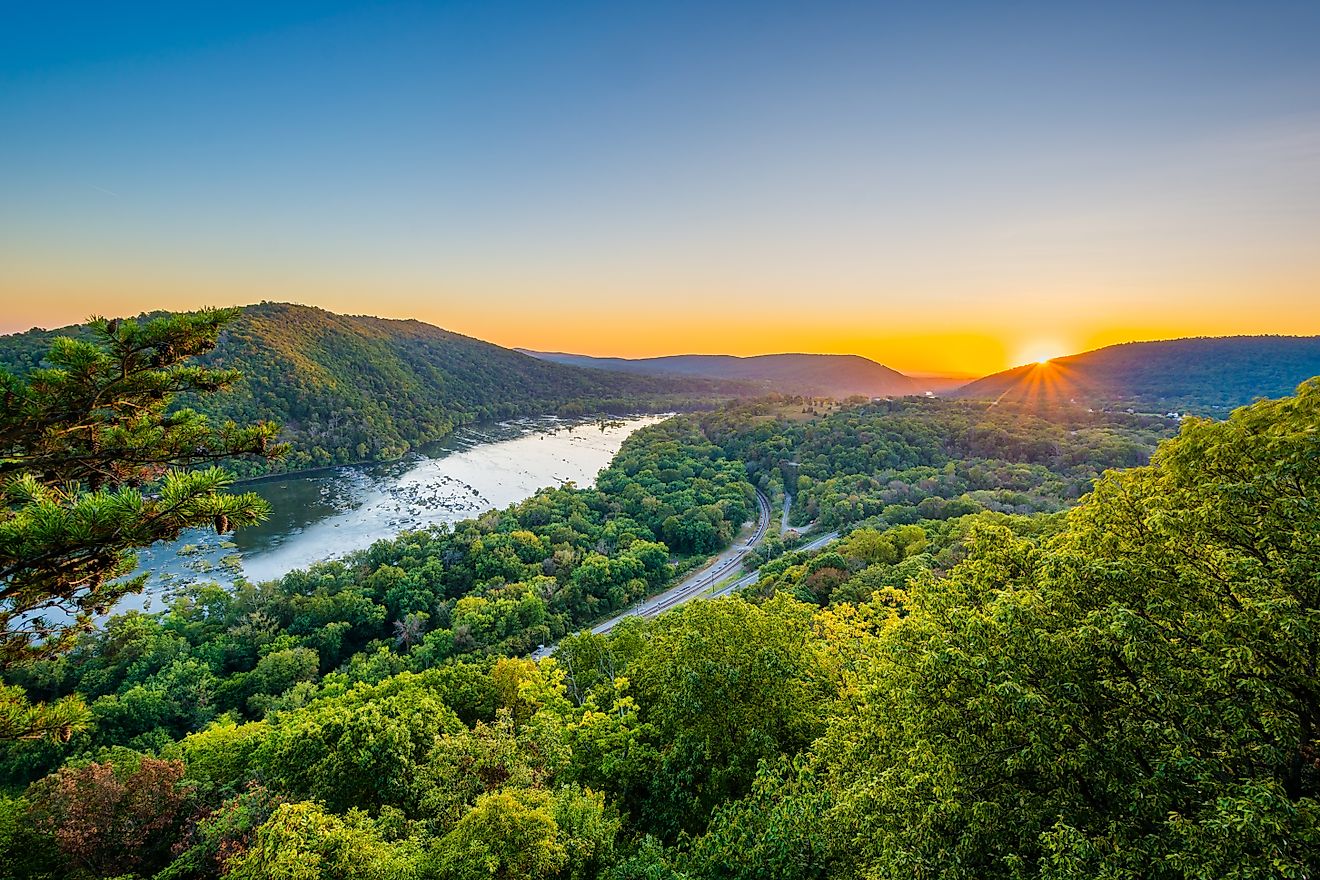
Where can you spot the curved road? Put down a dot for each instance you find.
(691, 586)
(754, 576)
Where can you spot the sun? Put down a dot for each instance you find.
(1041, 352)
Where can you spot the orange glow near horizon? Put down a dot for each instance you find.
(911, 346)
(1042, 352)
(1046, 383)
(911, 334)
(634, 184)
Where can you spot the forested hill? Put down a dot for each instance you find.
(349, 388)
(824, 375)
(1199, 374)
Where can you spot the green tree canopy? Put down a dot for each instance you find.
(1135, 697)
(94, 464)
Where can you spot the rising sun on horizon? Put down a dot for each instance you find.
(1041, 352)
(641, 180)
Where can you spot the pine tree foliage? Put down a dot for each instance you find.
(94, 464)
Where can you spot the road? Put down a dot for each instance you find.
(691, 586)
(698, 583)
(754, 576)
(783, 523)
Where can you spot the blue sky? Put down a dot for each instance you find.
(933, 185)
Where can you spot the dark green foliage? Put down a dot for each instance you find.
(92, 467)
(1125, 690)
(775, 832)
(353, 388)
(226, 832)
(25, 852)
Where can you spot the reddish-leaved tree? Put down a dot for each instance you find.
(113, 820)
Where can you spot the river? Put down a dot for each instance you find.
(327, 514)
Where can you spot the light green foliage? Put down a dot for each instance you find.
(529, 834)
(609, 746)
(220, 757)
(871, 546)
(1135, 698)
(467, 764)
(304, 842)
(587, 830)
(507, 835)
(364, 748)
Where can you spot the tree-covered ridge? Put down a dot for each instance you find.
(1200, 375)
(917, 459)
(350, 388)
(1124, 690)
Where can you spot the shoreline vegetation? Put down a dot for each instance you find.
(1055, 642)
(352, 388)
(615, 419)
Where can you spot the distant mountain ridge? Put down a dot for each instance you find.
(352, 388)
(1199, 373)
(823, 375)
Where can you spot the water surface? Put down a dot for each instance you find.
(327, 514)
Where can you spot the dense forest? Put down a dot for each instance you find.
(912, 459)
(351, 388)
(1113, 678)
(496, 586)
(1207, 375)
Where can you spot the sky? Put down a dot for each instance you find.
(943, 187)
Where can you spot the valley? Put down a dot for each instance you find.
(640, 441)
(631, 623)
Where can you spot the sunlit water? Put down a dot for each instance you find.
(326, 515)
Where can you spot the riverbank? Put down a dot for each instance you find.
(329, 513)
(419, 452)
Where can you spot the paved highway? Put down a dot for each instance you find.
(692, 586)
(753, 577)
(698, 583)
